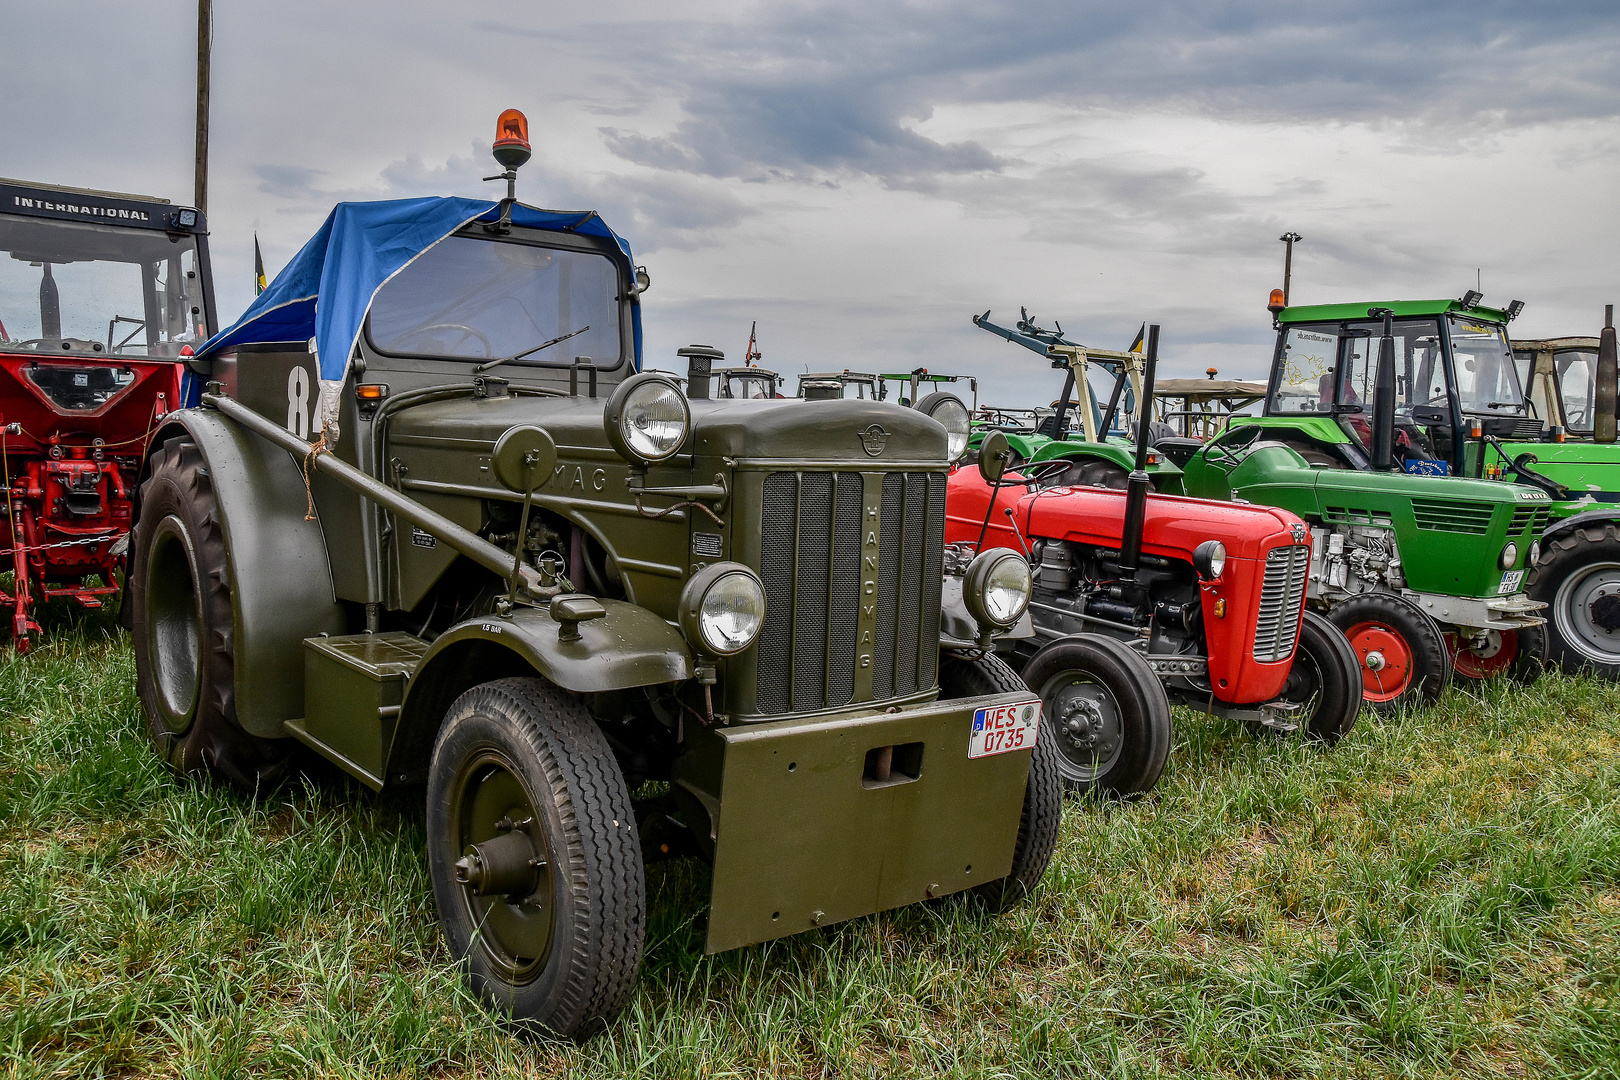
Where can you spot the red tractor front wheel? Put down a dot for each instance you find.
(1400, 651)
(1519, 654)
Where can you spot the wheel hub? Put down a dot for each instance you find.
(503, 866)
(1375, 661)
(1086, 728)
(1605, 610)
(1386, 660)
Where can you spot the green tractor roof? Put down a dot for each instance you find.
(1341, 312)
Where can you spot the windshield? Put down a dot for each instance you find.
(1314, 352)
(474, 298)
(1486, 379)
(748, 386)
(1577, 382)
(69, 287)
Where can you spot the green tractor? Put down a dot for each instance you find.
(1366, 435)
(595, 620)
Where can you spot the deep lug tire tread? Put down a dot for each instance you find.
(1144, 708)
(1043, 796)
(602, 911)
(1341, 699)
(1561, 556)
(179, 486)
(1431, 661)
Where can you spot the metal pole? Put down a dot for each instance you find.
(1136, 485)
(1288, 261)
(205, 38)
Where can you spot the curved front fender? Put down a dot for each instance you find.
(627, 648)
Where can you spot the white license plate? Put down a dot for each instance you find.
(1510, 582)
(1001, 729)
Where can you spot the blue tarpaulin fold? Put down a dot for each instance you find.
(327, 288)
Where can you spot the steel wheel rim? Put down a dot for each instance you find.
(515, 938)
(1389, 675)
(174, 624)
(1084, 709)
(1500, 651)
(1572, 606)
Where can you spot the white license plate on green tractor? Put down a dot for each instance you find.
(1001, 729)
(1510, 582)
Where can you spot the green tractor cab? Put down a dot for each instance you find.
(598, 620)
(1424, 569)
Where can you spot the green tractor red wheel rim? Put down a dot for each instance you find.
(504, 872)
(1494, 659)
(1385, 659)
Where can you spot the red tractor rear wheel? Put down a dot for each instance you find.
(1520, 654)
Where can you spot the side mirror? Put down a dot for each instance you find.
(994, 455)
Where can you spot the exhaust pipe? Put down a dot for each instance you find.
(1136, 487)
(1608, 383)
(1383, 417)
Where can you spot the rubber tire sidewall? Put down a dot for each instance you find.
(600, 905)
(1561, 556)
(1143, 705)
(984, 674)
(179, 489)
(1341, 699)
(1431, 661)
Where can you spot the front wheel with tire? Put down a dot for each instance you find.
(1324, 680)
(536, 866)
(179, 590)
(1520, 654)
(1399, 650)
(1578, 578)
(961, 677)
(1108, 712)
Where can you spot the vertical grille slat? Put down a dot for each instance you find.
(1283, 591)
(811, 559)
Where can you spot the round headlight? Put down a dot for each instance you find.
(949, 411)
(1209, 559)
(1510, 555)
(647, 418)
(996, 587)
(723, 608)
(1535, 552)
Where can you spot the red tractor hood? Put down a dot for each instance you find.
(1174, 524)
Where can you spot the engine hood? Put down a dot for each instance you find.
(1173, 524)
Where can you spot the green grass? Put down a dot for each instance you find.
(1438, 896)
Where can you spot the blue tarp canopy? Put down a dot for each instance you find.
(327, 288)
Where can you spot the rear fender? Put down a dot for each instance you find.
(1603, 516)
(629, 647)
(280, 581)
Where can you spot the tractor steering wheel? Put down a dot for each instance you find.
(466, 331)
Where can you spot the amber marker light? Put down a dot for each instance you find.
(371, 391)
(1276, 305)
(1220, 608)
(511, 147)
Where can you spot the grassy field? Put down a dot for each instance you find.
(1439, 896)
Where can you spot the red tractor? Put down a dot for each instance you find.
(101, 298)
(1140, 598)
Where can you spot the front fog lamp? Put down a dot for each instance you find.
(950, 412)
(647, 418)
(996, 588)
(1510, 555)
(723, 608)
(1209, 559)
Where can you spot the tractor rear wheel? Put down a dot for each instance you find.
(179, 590)
(533, 851)
(1578, 578)
(1325, 679)
(1043, 796)
(1108, 712)
(1399, 650)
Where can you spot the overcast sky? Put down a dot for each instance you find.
(862, 177)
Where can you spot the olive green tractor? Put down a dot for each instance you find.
(602, 622)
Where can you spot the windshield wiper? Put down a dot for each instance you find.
(481, 368)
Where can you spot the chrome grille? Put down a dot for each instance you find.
(810, 562)
(1280, 598)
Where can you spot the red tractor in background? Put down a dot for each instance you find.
(1203, 600)
(102, 296)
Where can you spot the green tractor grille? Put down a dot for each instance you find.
(1281, 595)
(1447, 515)
(810, 562)
(1533, 518)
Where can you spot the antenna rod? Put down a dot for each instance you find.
(205, 40)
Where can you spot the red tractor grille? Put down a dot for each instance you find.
(1277, 624)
